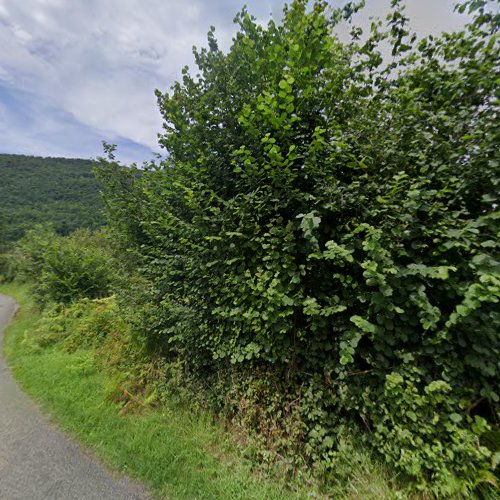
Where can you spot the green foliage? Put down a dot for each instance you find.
(176, 453)
(3, 230)
(59, 191)
(26, 261)
(6, 266)
(82, 324)
(72, 271)
(333, 217)
(65, 268)
(423, 431)
(97, 325)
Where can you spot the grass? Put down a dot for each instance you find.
(176, 453)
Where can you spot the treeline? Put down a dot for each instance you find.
(317, 257)
(62, 192)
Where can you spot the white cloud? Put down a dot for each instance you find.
(100, 61)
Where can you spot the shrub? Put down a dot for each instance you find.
(28, 255)
(333, 216)
(75, 268)
(7, 265)
(68, 268)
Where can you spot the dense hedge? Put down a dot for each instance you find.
(330, 214)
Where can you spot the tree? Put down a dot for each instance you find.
(332, 215)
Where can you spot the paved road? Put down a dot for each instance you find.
(37, 461)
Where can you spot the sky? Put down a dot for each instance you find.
(76, 72)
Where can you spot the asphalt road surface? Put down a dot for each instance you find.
(37, 461)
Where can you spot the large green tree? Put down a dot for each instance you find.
(330, 213)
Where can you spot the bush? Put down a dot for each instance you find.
(75, 268)
(6, 267)
(28, 254)
(65, 269)
(332, 217)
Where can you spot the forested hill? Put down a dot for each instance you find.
(34, 190)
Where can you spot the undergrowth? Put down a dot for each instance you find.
(82, 365)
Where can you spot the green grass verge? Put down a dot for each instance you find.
(176, 453)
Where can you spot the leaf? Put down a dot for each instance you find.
(455, 417)
(363, 324)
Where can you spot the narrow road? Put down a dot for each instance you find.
(37, 461)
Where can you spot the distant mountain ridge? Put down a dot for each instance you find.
(60, 191)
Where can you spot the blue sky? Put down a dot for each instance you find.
(76, 72)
